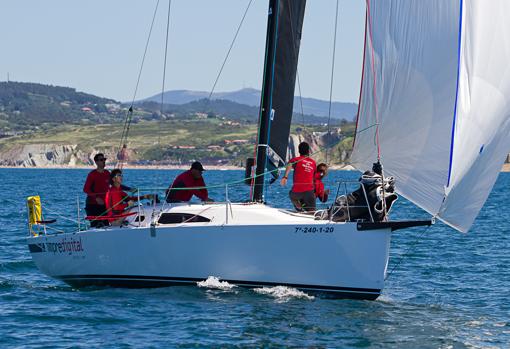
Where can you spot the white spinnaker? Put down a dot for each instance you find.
(413, 47)
(482, 126)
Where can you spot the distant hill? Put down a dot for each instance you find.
(44, 125)
(23, 105)
(251, 97)
(225, 108)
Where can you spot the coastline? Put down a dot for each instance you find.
(504, 168)
(127, 167)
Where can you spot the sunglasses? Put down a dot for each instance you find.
(101, 160)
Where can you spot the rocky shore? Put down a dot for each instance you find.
(68, 156)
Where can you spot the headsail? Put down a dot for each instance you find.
(434, 100)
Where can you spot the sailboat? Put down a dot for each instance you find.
(433, 110)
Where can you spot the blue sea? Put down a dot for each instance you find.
(445, 289)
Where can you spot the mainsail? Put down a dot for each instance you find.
(290, 25)
(285, 22)
(434, 104)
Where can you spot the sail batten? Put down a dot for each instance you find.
(437, 85)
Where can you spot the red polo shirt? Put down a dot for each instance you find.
(116, 201)
(304, 171)
(186, 180)
(96, 185)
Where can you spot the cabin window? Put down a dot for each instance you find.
(139, 218)
(176, 218)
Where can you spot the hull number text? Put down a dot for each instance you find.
(312, 230)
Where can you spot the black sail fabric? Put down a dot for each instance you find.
(290, 24)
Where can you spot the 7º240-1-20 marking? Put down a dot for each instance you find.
(307, 230)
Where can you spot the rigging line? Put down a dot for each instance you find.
(332, 76)
(301, 101)
(129, 113)
(56, 213)
(366, 128)
(145, 52)
(229, 49)
(361, 82)
(297, 72)
(261, 106)
(295, 54)
(374, 90)
(108, 210)
(406, 253)
(164, 69)
(124, 137)
(221, 185)
(271, 111)
(252, 183)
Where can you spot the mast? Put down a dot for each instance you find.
(266, 100)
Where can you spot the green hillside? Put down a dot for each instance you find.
(215, 131)
(28, 106)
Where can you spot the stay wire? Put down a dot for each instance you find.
(56, 213)
(145, 52)
(408, 251)
(332, 76)
(164, 68)
(243, 180)
(374, 89)
(295, 53)
(297, 70)
(301, 101)
(229, 50)
(129, 113)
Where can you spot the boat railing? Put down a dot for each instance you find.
(343, 189)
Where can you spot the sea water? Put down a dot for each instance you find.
(445, 289)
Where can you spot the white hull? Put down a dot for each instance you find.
(294, 250)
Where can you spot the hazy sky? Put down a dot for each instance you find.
(96, 46)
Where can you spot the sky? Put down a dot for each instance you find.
(96, 46)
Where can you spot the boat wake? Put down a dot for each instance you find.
(283, 293)
(215, 283)
(385, 299)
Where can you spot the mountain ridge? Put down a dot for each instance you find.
(251, 97)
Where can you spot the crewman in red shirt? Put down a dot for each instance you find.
(302, 193)
(320, 193)
(96, 186)
(189, 179)
(116, 199)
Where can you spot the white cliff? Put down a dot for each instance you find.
(44, 155)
